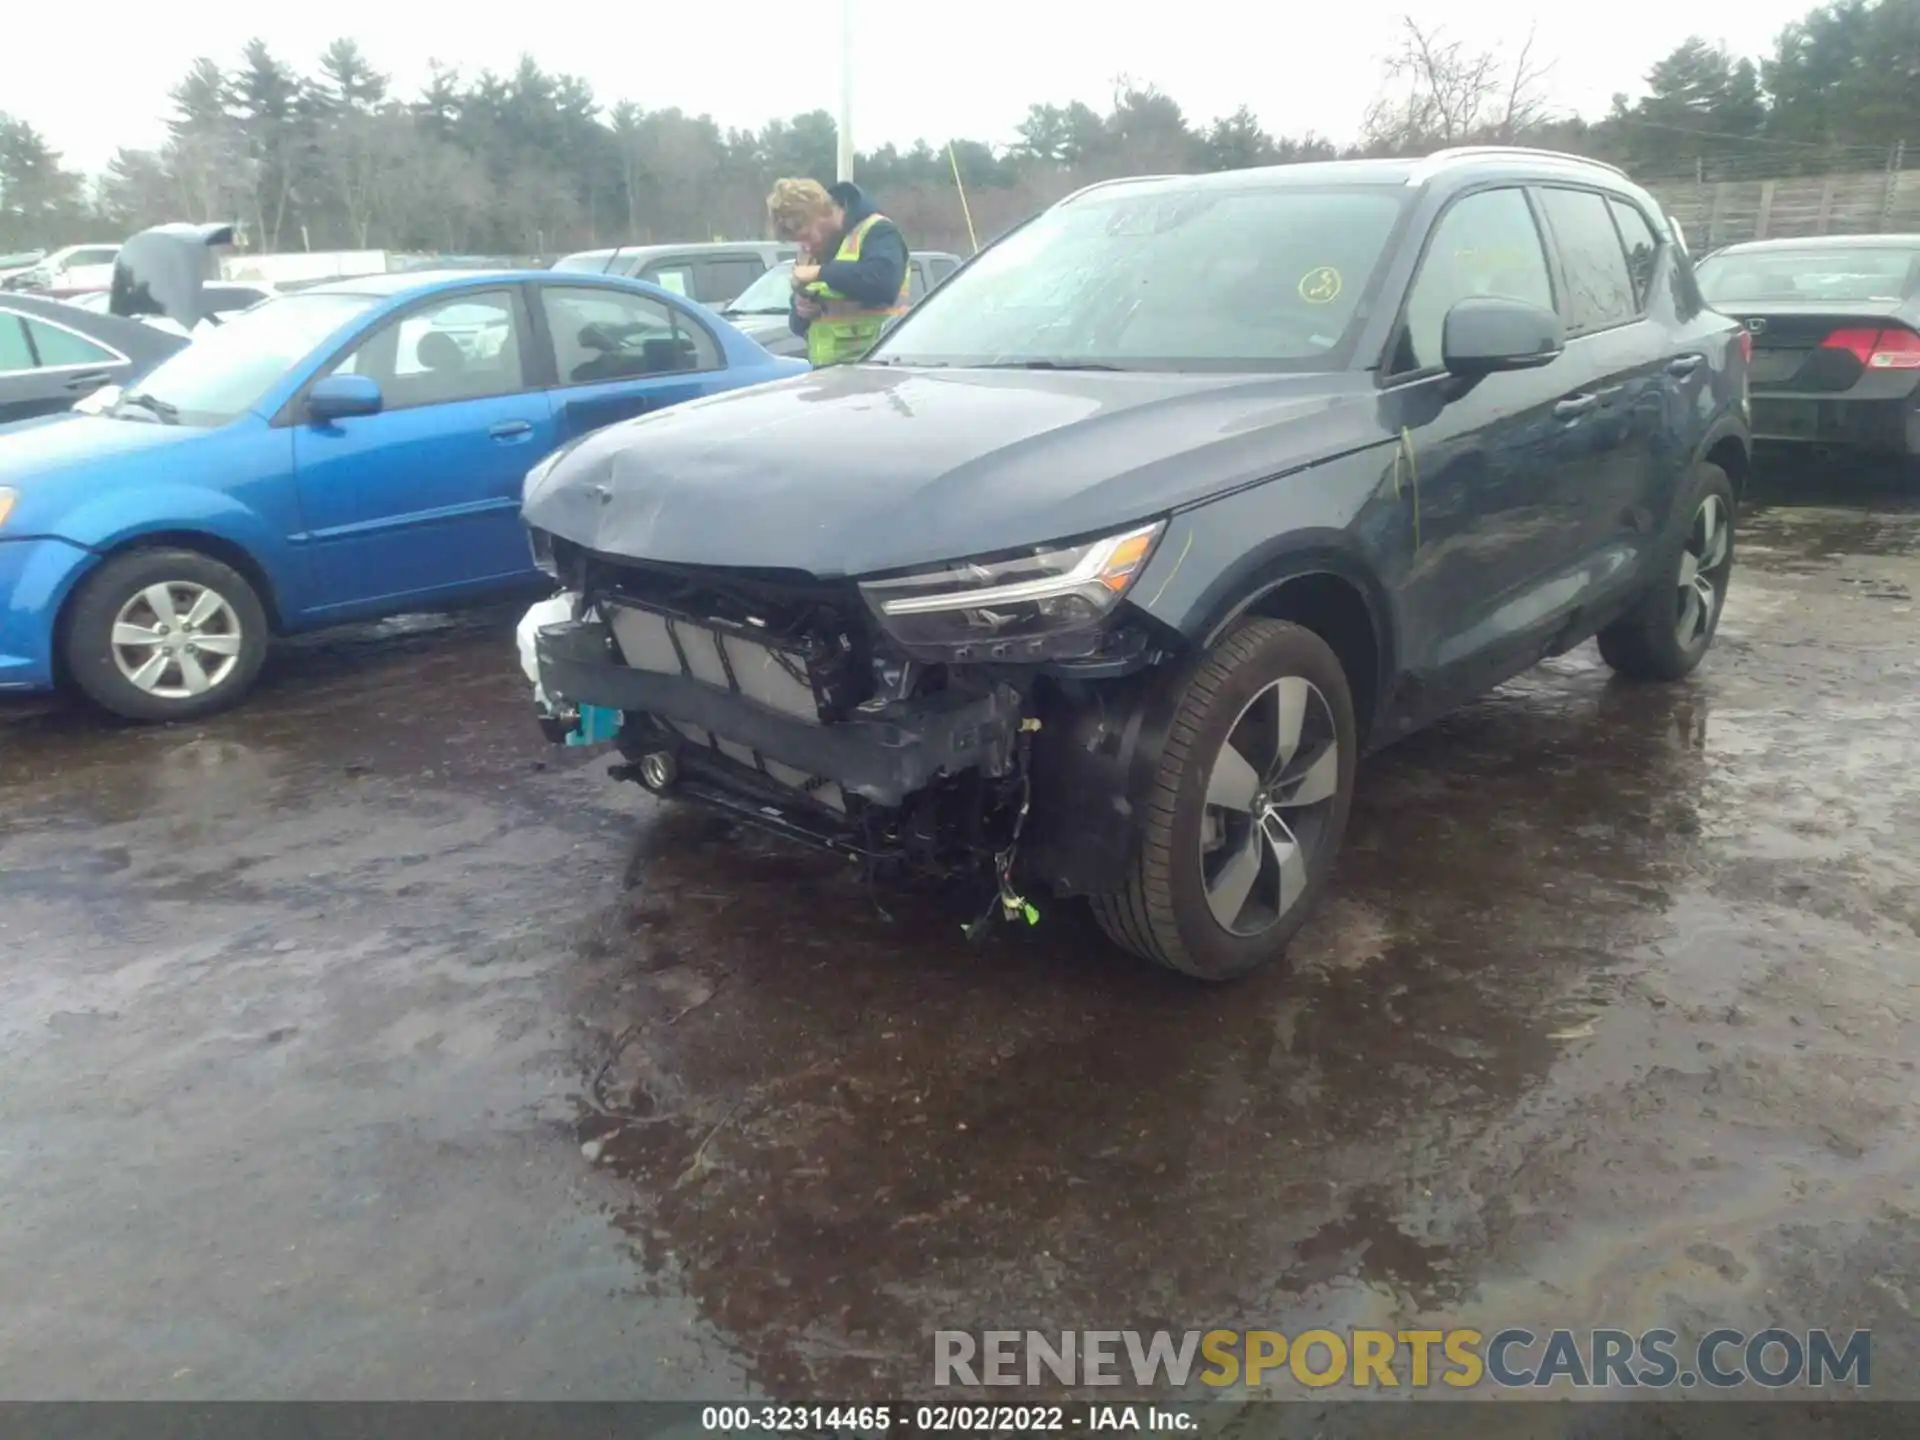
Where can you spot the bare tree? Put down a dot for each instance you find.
(1441, 92)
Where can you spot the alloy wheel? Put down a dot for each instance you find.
(1270, 795)
(1705, 564)
(176, 640)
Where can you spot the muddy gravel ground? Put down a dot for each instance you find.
(361, 1044)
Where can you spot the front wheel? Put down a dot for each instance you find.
(161, 635)
(1248, 807)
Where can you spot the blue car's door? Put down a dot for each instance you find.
(618, 354)
(422, 501)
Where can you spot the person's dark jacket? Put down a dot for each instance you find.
(876, 277)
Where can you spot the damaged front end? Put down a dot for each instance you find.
(886, 719)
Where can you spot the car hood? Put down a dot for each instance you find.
(41, 455)
(853, 470)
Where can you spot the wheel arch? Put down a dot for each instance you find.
(1729, 451)
(216, 547)
(1334, 594)
(1098, 749)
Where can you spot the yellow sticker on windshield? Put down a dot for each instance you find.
(1320, 287)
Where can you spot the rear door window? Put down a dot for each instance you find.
(59, 347)
(1600, 290)
(15, 356)
(606, 335)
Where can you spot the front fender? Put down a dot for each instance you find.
(182, 514)
(109, 522)
(1217, 559)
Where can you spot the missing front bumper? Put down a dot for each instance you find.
(883, 759)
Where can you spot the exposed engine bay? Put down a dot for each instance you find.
(778, 700)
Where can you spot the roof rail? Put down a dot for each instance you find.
(1113, 180)
(1461, 152)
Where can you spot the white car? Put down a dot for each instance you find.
(71, 269)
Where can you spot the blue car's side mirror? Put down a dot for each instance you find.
(339, 396)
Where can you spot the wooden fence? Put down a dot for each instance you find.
(1723, 212)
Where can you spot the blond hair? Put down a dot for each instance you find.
(792, 203)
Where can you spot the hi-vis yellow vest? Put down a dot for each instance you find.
(845, 329)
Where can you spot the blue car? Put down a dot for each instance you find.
(348, 452)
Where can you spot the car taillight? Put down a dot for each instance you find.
(1894, 348)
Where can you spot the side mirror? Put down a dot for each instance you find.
(339, 397)
(1485, 335)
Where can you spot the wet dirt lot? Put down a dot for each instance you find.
(360, 1044)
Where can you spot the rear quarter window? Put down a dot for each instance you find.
(1643, 247)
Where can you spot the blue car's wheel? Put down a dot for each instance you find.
(165, 635)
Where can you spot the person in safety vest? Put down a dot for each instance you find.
(851, 277)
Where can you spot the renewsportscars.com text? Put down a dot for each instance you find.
(1405, 1359)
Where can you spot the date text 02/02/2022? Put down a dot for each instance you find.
(943, 1419)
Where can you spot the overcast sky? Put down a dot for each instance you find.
(96, 77)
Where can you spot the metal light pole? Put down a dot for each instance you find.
(846, 90)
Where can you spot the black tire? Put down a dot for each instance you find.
(241, 626)
(1645, 643)
(1164, 913)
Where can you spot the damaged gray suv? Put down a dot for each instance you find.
(1102, 571)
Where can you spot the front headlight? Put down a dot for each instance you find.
(8, 499)
(1011, 607)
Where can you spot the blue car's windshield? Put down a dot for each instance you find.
(1165, 275)
(226, 370)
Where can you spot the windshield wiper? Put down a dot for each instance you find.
(154, 405)
(763, 310)
(1048, 365)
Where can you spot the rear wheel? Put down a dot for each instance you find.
(1248, 807)
(165, 635)
(1668, 633)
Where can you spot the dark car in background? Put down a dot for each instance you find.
(1098, 575)
(54, 354)
(761, 309)
(1835, 323)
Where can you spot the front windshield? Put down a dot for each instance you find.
(227, 369)
(1866, 273)
(1164, 275)
(771, 294)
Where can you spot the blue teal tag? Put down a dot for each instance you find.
(597, 726)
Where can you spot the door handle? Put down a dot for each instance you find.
(1574, 406)
(511, 429)
(92, 380)
(1683, 365)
